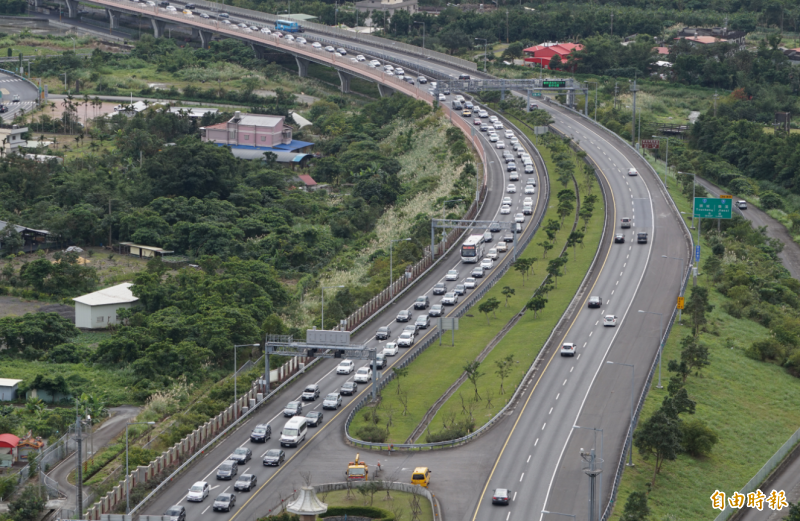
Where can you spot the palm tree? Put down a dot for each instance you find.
(85, 104)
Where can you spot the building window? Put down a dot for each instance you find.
(263, 138)
(99, 319)
(247, 138)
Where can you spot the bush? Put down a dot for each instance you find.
(372, 433)
(374, 513)
(453, 432)
(698, 438)
(767, 349)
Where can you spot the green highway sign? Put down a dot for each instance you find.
(554, 84)
(536, 94)
(712, 208)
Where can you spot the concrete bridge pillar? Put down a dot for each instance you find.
(203, 36)
(72, 8)
(260, 51)
(385, 90)
(302, 66)
(571, 99)
(344, 79)
(159, 26)
(113, 18)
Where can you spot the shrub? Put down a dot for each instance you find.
(372, 433)
(698, 438)
(374, 513)
(767, 349)
(453, 432)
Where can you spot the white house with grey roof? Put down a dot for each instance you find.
(98, 310)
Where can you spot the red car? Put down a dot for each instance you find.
(476, 121)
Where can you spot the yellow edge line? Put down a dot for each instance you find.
(519, 417)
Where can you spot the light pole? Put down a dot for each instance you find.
(633, 376)
(592, 476)
(596, 84)
(559, 514)
(666, 160)
(127, 472)
(682, 260)
(323, 288)
(484, 52)
(391, 265)
(423, 32)
(660, 341)
(694, 186)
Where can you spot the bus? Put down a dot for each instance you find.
(472, 249)
(287, 26)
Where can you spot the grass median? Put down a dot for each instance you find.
(753, 406)
(435, 370)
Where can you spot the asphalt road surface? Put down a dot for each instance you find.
(790, 256)
(324, 453)
(14, 88)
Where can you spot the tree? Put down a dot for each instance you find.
(507, 293)
(698, 438)
(677, 404)
(574, 239)
(536, 304)
(489, 306)
(28, 505)
(513, 51)
(546, 246)
(636, 508)
(473, 374)
(770, 200)
(554, 268)
(565, 208)
(555, 62)
(694, 354)
(523, 266)
(453, 39)
(660, 437)
(697, 306)
(399, 372)
(504, 368)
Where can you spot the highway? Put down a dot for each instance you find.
(12, 86)
(535, 452)
(318, 454)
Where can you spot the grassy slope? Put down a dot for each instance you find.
(753, 406)
(438, 367)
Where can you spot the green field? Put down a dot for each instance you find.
(753, 406)
(439, 366)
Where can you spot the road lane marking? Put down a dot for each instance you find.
(571, 368)
(579, 357)
(529, 456)
(545, 424)
(209, 506)
(551, 411)
(536, 442)
(522, 476)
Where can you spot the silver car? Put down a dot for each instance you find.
(450, 299)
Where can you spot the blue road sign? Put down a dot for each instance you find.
(697, 253)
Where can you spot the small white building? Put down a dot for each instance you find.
(11, 138)
(8, 389)
(99, 309)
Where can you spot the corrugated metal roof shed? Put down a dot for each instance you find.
(119, 294)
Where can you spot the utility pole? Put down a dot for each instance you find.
(715, 104)
(79, 473)
(634, 89)
(616, 91)
(506, 25)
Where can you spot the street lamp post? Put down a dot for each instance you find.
(127, 472)
(391, 265)
(600, 493)
(694, 186)
(423, 32)
(633, 377)
(682, 260)
(596, 84)
(485, 42)
(660, 341)
(323, 288)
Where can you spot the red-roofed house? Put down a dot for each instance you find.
(662, 51)
(542, 54)
(8, 449)
(309, 182)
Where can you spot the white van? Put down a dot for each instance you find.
(742, 205)
(294, 432)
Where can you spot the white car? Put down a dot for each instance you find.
(610, 321)
(632, 171)
(492, 253)
(568, 349)
(498, 125)
(505, 209)
(150, 3)
(361, 58)
(345, 367)
(442, 97)
(529, 169)
(399, 71)
(513, 140)
(530, 189)
(302, 40)
(316, 45)
(406, 339)
(487, 263)
(228, 22)
(493, 138)
(375, 62)
(265, 30)
(492, 118)
(469, 283)
(506, 200)
(450, 299)
(502, 247)
(524, 155)
(483, 114)
(172, 9)
(451, 275)
(391, 68)
(390, 349)
(330, 48)
(508, 134)
(500, 144)
(519, 218)
(527, 200)
(198, 492)
(511, 189)
(363, 375)
(459, 97)
(248, 30)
